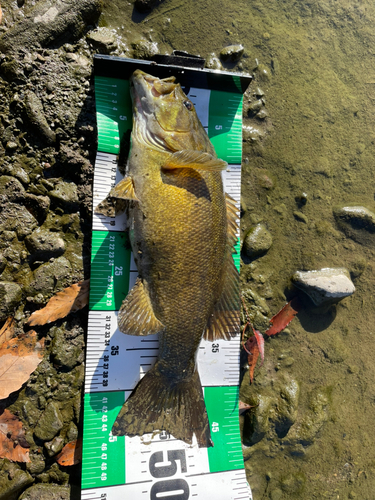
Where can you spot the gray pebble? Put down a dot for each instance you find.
(257, 241)
(232, 53)
(325, 286)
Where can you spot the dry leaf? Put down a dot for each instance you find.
(13, 444)
(19, 357)
(7, 330)
(71, 454)
(282, 319)
(69, 300)
(1, 14)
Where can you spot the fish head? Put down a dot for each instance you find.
(164, 117)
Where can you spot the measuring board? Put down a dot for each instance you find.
(155, 466)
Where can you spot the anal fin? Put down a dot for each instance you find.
(136, 315)
(224, 321)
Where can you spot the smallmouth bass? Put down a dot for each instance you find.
(182, 230)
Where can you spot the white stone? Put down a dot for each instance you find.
(326, 285)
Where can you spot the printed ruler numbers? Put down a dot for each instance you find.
(154, 466)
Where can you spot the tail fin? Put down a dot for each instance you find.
(158, 403)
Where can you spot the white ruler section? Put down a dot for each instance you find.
(230, 485)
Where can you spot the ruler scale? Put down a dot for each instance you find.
(155, 466)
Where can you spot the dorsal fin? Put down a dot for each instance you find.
(232, 217)
(136, 315)
(189, 158)
(224, 322)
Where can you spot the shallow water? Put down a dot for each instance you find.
(315, 63)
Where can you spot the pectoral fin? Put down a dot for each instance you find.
(195, 159)
(224, 322)
(136, 315)
(124, 190)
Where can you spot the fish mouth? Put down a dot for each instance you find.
(145, 91)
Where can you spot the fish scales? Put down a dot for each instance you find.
(179, 233)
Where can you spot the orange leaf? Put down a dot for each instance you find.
(282, 319)
(13, 444)
(7, 330)
(71, 299)
(1, 14)
(252, 350)
(19, 357)
(71, 454)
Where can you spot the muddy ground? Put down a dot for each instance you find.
(308, 148)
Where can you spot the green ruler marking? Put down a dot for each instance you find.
(236, 256)
(103, 455)
(113, 112)
(110, 265)
(225, 125)
(222, 409)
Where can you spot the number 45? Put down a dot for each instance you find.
(215, 427)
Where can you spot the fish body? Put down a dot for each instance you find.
(181, 240)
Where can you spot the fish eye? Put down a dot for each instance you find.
(188, 105)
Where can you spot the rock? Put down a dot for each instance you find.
(43, 245)
(36, 465)
(38, 206)
(325, 286)
(143, 49)
(103, 40)
(50, 423)
(66, 353)
(72, 433)
(232, 53)
(357, 222)
(12, 71)
(17, 171)
(51, 22)
(10, 297)
(286, 407)
(213, 62)
(13, 480)
(254, 107)
(50, 277)
(300, 216)
(257, 241)
(262, 114)
(35, 115)
(305, 431)
(46, 492)
(14, 217)
(257, 422)
(12, 188)
(65, 195)
(55, 446)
